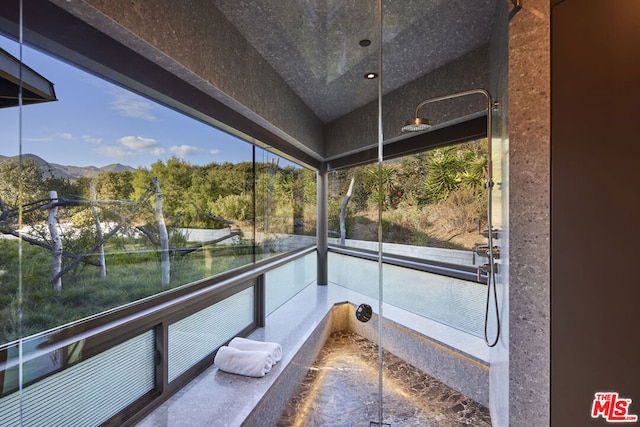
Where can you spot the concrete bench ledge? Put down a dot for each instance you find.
(217, 398)
(301, 326)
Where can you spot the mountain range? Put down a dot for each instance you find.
(69, 172)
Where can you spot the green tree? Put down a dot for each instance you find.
(21, 182)
(175, 179)
(114, 186)
(235, 178)
(140, 181)
(442, 173)
(411, 177)
(381, 183)
(233, 207)
(453, 167)
(284, 186)
(308, 178)
(474, 173)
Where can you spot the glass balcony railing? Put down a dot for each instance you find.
(454, 301)
(285, 281)
(110, 367)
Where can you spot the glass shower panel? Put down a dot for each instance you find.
(457, 303)
(12, 194)
(435, 181)
(350, 67)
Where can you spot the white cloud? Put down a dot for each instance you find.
(91, 139)
(131, 146)
(68, 136)
(139, 143)
(183, 151)
(215, 151)
(131, 105)
(156, 151)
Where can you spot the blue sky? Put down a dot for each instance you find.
(96, 123)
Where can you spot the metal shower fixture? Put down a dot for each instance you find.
(419, 124)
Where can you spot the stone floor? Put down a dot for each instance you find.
(341, 390)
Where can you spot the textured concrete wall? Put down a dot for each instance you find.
(359, 130)
(529, 222)
(196, 42)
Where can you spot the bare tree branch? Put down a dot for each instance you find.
(60, 202)
(96, 220)
(107, 236)
(47, 246)
(165, 261)
(149, 235)
(213, 217)
(188, 250)
(66, 202)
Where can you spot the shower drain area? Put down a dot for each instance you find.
(341, 390)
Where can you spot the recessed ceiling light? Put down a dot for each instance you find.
(365, 42)
(370, 76)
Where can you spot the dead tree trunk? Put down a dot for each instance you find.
(165, 265)
(273, 167)
(56, 247)
(96, 219)
(343, 213)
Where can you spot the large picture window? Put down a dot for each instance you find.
(117, 198)
(433, 204)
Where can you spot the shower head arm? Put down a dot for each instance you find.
(489, 107)
(457, 95)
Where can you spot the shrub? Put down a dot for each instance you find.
(461, 211)
(233, 206)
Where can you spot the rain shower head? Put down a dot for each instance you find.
(417, 124)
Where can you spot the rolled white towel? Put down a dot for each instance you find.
(246, 344)
(248, 363)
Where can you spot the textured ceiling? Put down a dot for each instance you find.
(314, 44)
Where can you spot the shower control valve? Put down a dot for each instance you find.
(486, 252)
(483, 270)
(485, 233)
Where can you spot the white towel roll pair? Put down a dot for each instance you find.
(247, 357)
(251, 345)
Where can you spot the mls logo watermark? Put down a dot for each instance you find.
(612, 408)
